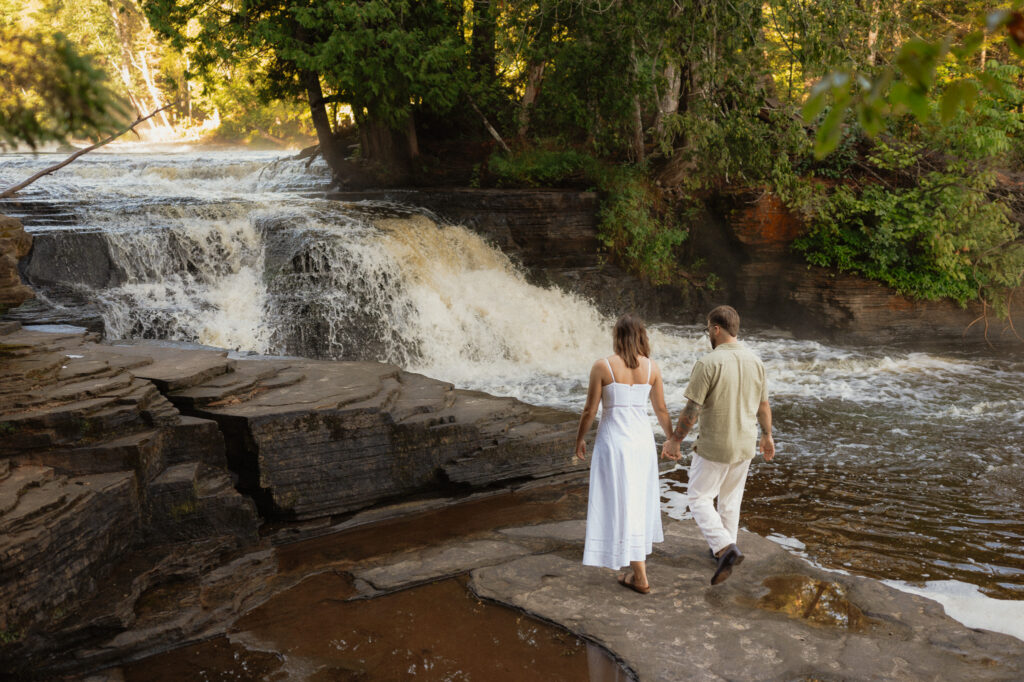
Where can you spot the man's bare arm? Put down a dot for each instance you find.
(764, 418)
(686, 420)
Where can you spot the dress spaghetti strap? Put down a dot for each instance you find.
(650, 364)
(610, 370)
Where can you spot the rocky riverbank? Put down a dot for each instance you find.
(744, 238)
(776, 618)
(119, 469)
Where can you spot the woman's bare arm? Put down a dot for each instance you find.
(658, 402)
(589, 409)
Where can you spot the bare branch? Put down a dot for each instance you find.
(490, 128)
(11, 191)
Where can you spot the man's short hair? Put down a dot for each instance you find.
(726, 317)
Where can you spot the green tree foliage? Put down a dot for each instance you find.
(146, 72)
(928, 217)
(50, 92)
(893, 128)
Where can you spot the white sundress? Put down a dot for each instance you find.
(624, 509)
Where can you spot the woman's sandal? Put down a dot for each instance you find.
(632, 585)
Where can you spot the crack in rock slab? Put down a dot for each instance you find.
(437, 563)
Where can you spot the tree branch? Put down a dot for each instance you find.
(11, 191)
(490, 128)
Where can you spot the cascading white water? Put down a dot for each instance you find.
(226, 250)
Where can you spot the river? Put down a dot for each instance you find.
(884, 454)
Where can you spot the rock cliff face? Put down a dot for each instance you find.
(770, 284)
(96, 466)
(119, 466)
(745, 238)
(15, 244)
(553, 234)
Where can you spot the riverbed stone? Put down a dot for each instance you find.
(98, 468)
(776, 618)
(437, 563)
(306, 439)
(312, 438)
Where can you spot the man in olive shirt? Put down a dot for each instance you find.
(727, 392)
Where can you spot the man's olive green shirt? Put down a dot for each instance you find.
(729, 384)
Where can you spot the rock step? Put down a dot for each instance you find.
(196, 439)
(139, 452)
(5, 469)
(420, 395)
(79, 368)
(38, 367)
(114, 386)
(141, 392)
(160, 411)
(192, 500)
(45, 342)
(17, 480)
(174, 369)
(235, 386)
(60, 556)
(35, 503)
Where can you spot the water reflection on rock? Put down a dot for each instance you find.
(815, 601)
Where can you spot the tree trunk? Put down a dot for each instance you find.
(873, 33)
(126, 60)
(638, 114)
(321, 121)
(669, 103)
(482, 50)
(154, 93)
(410, 137)
(534, 76)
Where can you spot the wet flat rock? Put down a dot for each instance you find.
(776, 618)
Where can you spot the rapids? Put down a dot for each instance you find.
(883, 452)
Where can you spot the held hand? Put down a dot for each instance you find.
(767, 447)
(670, 450)
(581, 450)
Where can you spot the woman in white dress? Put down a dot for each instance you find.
(624, 509)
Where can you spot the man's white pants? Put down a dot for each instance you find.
(726, 481)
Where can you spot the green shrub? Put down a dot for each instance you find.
(926, 214)
(634, 224)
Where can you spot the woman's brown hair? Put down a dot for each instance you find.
(630, 340)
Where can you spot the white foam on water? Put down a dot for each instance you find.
(475, 320)
(965, 603)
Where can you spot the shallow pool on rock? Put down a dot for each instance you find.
(321, 630)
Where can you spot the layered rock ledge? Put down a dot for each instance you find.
(121, 466)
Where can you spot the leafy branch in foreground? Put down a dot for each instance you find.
(50, 93)
(905, 84)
